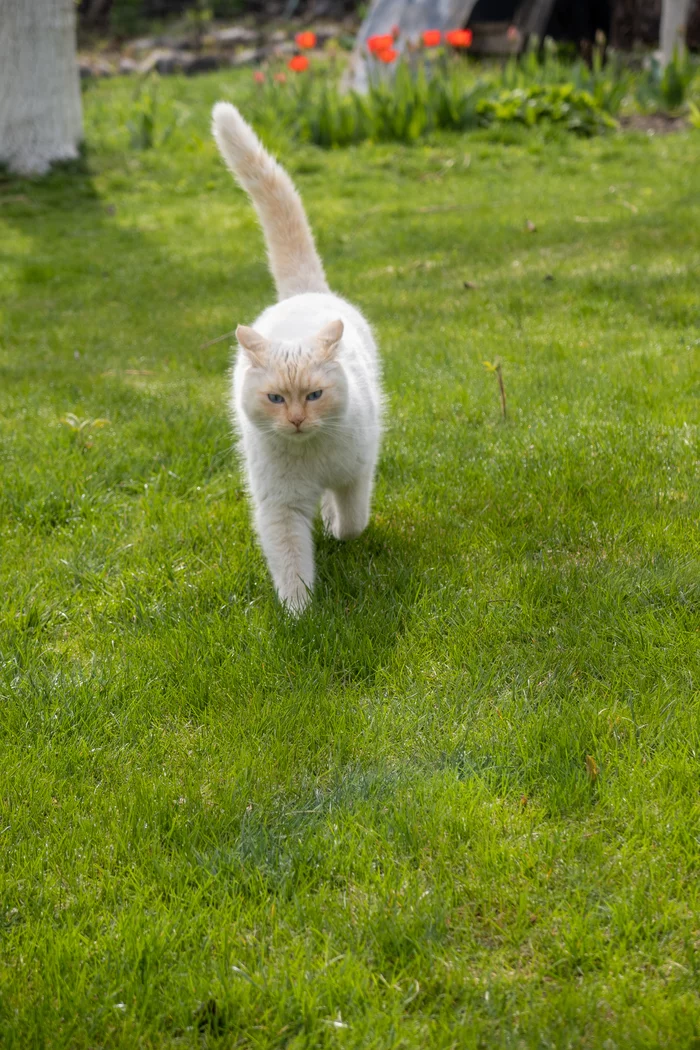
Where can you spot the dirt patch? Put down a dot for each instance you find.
(653, 123)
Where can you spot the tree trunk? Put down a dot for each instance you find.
(40, 107)
(674, 16)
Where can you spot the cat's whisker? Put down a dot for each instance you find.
(344, 429)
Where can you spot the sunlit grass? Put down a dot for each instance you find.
(457, 803)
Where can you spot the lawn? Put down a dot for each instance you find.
(457, 803)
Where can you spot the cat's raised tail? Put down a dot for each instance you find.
(294, 261)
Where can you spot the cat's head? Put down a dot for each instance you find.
(294, 389)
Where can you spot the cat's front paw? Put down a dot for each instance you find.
(295, 599)
(345, 514)
(329, 515)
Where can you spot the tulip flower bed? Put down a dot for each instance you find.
(416, 87)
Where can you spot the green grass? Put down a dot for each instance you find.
(375, 827)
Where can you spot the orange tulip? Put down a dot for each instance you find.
(387, 55)
(281, 78)
(305, 40)
(375, 44)
(432, 37)
(459, 37)
(298, 64)
(259, 76)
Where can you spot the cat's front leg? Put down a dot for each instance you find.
(286, 539)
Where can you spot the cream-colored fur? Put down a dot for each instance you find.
(300, 447)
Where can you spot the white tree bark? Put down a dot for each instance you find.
(41, 118)
(674, 15)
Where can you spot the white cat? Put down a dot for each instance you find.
(307, 385)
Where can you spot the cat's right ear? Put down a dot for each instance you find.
(254, 345)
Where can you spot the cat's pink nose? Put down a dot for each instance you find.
(297, 420)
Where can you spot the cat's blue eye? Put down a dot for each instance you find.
(276, 399)
(314, 396)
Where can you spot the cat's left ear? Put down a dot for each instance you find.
(254, 344)
(328, 338)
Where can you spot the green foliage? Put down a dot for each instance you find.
(676, 80)
(400, 106)
(145, 117)
(606, 79)
(414, 98)
(335, 120)
(555, 103)
(667, 89)
(142, 125)
(452, 103)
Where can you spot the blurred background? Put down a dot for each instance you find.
(626, 23)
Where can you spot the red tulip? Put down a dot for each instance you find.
(281, 78)
(375, 44)
(432, 37)
(395, 32)
(259, 76)
(387, 55)
(298, 64)
(306, 40)
(459, 37)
